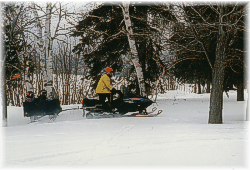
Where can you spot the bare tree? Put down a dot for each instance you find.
(133, 50)
(222, 27)
(46, 45)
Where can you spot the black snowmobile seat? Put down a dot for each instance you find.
(90, 102)
(93, 102)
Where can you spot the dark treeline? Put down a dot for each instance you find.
(201, 44)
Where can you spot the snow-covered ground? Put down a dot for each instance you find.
(178, 138)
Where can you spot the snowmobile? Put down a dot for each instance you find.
(125, 102)
(40, 106)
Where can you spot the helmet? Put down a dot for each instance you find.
(108, 70)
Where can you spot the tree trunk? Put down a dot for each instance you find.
(195, 86)
(168, 83)
(41, 63)
(199, 86)
(240, 91)
(208, 86)
(133, 51)
(48, 82)
(28, 82)
(63, 87)
(76, 68)
(3, 97)
(216, 98)
(247, 111)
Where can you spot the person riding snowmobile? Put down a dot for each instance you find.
(104, 88)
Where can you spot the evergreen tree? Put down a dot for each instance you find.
(13, 40)
(104, 39)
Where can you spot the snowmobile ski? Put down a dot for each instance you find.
(149, 115)
(145, 114)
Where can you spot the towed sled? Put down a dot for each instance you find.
(41, 106)
(125, 102)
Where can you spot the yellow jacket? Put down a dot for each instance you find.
(104, 85)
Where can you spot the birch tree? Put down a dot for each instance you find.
(48, 76)
(133, 51)
(41, 62)
(46, 46)
(3, 99)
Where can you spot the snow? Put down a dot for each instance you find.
(178, 138)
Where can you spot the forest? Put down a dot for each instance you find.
(155, 47)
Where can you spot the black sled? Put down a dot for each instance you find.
(40, 106)
(124, 103)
